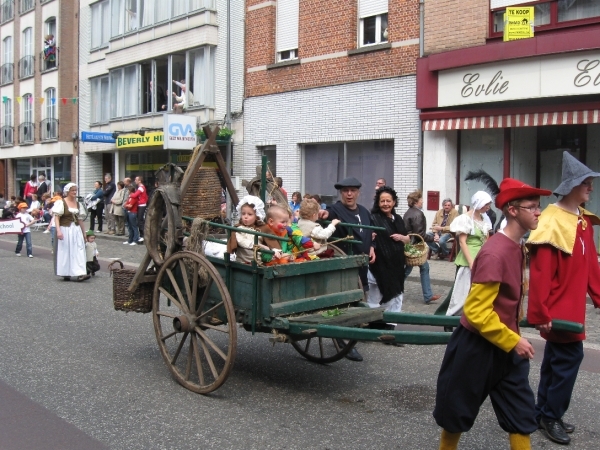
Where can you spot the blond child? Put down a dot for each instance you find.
(309, 213)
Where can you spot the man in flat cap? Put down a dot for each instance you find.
(564, 269)
(349, 211)
(486, 355)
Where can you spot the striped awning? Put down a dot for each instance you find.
(514, 120)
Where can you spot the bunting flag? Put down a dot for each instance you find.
(4, 99)
(19, 99)
(42, 100)
(53, 99)
(30, 100)
(64, 101)
(74, 100)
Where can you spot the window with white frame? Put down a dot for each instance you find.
(100, 107)
(7, 136)
(100, 24)
(7, 113)
(49, 126)
(7, 68)
(7, 50)
(27, 102)
(27, 42)
(50, 102)
(373, 22)
(287, 29)
(124, 92)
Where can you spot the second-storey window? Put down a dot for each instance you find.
(373, 25)
(100, 24)
(7, 74)
(49, 125)
(287, 29)
(124, 92)
(100, 111)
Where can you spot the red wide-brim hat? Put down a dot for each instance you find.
(511, 189)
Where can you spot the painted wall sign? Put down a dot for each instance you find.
(92, 136)
(568, 74)
(179, 131)
(518, 23)
(136, 140)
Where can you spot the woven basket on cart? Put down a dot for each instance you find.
(203, 197)
(419, 256)
(138, 301)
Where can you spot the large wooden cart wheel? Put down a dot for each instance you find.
(325, 350)
(194, 322)
(163, 226)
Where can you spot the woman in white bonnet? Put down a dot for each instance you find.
(70, 234)
(472, 230)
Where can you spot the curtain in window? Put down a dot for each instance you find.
(287, 24)
(197, 87)
(577, 9)
(103, 99)
(323, 165)
(8, 112)
(27, 108)
(161, 10)
(132, 16)
(7, 51)
(196, 4)
(367, 8)
(116, 93)
(147, 12)
(178, 7)
(27, 42)
(96, 99)
(117, 17)
(132, 92)
(97, 11)
(50, 106)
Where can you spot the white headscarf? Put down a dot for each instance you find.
(480, 199)
(67, 187)
(256, 203)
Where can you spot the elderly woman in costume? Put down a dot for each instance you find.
(472, 230)
(386, 280)
(70, 234)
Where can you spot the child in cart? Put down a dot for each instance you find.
(251, 211)
(309, 212)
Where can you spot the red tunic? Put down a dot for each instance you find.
(560, 282)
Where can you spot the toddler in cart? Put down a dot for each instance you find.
(251, 211)
(309, 212)
(91, 253)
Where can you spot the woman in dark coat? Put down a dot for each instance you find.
(386, 280)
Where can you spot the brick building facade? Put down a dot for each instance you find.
(39, 92)
(512, 107)
(342, 103)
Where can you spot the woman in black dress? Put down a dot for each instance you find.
(386, 274)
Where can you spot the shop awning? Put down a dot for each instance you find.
(514, 120)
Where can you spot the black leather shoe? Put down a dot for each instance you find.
(569, 428)
(353, 355)
(554, 431)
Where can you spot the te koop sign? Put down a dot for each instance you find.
(179, 132)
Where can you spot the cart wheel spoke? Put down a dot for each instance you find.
(192, 301)
(307, 344)
(206, 339)
(321, 348)
(179, 347)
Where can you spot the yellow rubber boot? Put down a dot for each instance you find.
(449, 441)
(519, 441)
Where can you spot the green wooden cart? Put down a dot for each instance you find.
(200, 302)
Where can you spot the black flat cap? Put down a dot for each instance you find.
(348, 182)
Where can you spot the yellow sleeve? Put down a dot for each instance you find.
(480, 313)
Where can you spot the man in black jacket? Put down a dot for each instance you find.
(109, 190)
(42, 186)
(349, 211)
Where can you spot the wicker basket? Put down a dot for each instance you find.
(421, 257)
(203, 196)
(138, 301)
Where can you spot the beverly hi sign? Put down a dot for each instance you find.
(576, 73)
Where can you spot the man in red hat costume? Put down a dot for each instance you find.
(486, 354)
(564, 269)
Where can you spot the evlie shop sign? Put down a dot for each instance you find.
(576, 73)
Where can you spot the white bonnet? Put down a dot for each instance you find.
(255, 202)
(480, 199)
(67, 187)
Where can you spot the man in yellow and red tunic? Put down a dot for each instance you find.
(564, 269)
(486, 355)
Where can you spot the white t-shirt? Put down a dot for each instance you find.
(26, 217)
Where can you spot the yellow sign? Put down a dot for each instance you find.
(518, 23)
(135, 140)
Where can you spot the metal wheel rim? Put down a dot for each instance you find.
(155, 233)
(202, 373)
(320, 344)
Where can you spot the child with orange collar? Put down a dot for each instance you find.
(296, 247)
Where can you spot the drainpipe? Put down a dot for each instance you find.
(228, 112)
(421, 52)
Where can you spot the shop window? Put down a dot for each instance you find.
(62, 172)
(373, 22)
(366, 161)
(552, 14)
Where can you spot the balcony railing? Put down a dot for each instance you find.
(49, 60)
(26, 5)
(49, 130)
(6, 135)
(7, 11)
(6, 73)
(26, 133)
(26, 66)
